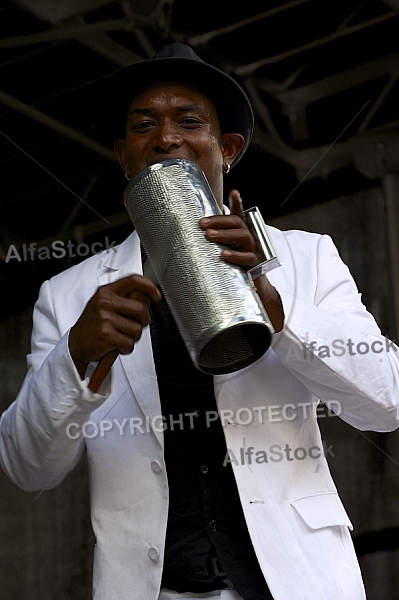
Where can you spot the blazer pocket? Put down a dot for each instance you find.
(322, 510)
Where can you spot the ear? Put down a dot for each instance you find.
(120, 152)
(232, 144)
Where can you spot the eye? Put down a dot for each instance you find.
(142, 126)
(191, 122)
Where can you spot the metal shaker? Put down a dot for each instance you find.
(215, 304)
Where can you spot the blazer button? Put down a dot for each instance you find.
(153, 553)
(156, 466)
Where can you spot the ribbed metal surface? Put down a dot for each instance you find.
(220, 318)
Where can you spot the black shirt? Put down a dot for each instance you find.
(205, 515)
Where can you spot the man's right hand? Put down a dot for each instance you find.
(113, 319)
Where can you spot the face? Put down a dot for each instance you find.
(172, 120)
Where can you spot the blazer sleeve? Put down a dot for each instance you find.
(333, 345)
(38, 442)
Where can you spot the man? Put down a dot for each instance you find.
(186, 504)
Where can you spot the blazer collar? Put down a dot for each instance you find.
(122, 261)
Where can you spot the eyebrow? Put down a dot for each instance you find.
(182, 109)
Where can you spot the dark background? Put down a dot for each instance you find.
(322, 77)
(323, 80)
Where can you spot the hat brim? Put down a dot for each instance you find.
(229, 99)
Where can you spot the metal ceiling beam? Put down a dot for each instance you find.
(65, 33)
(56, 12)
(204, 38)
(312, 163)
(386, 90)
(322, 161)
(272, 143)
(323, 88)
(37, 115)
(101, 43)
(252, 67)
(268, 143)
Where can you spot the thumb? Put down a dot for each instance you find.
(235, 204)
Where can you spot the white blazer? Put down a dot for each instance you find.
(298, 526)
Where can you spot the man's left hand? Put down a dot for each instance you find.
(243, 251)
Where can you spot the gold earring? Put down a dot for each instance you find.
(127, 176)
(226, 168)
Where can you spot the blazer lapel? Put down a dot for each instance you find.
(139, 366)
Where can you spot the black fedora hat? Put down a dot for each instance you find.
(179, 62)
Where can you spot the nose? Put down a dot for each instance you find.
(167, 137)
